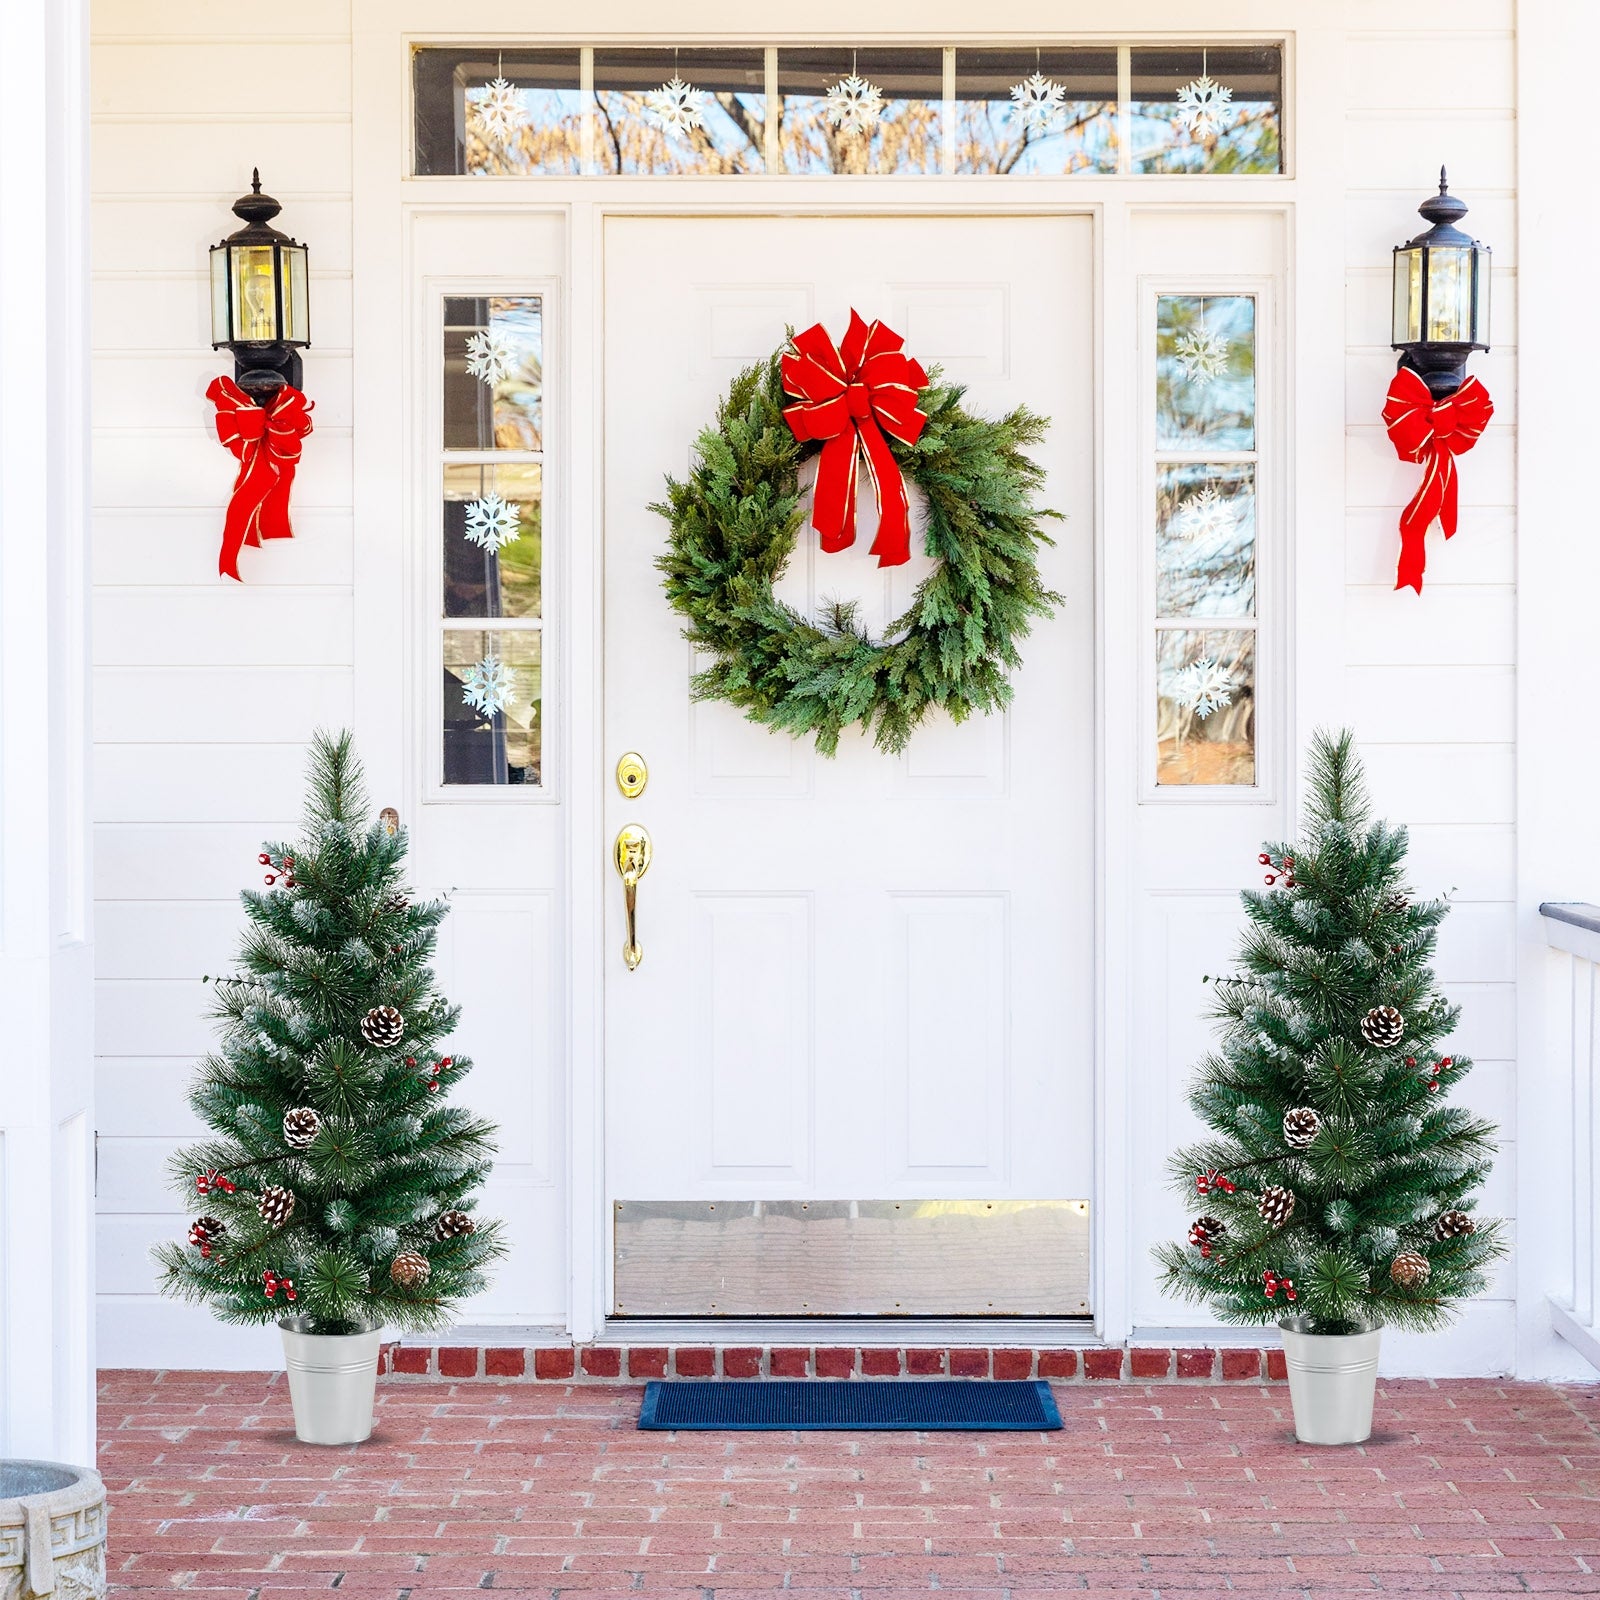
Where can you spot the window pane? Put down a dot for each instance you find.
(680, 111)
(493, 373)
(1063, 120)
(497, 112)
(493, 539)
(1202, 110)
(1206, 372)
(492, 703)
(1205, 541)
(904, 87)
(1205, 706)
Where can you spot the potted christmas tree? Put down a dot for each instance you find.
(338, 1182)
(1338, 1183)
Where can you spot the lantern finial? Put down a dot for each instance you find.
(255, 179)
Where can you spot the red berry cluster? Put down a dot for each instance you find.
(200, 1236)
(212, 1179)
(1272, 1283)
(271, 1283)
(1212, 1179)
(1438, 1067)
(285, 870)
(1285, 870)
(433, 1076)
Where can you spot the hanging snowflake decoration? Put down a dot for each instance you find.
(491, 355)
(676, 106)
(853, 105)
(1037, 103)
(1203, 687)
(1206, 515)
(1203, 106)
(499, 109)
(1202, 354)
(486, 686)
(492, 523)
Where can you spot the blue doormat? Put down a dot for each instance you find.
(895, 1405)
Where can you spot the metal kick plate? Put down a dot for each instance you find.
(841, 1258)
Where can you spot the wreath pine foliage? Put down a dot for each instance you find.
(734, 523)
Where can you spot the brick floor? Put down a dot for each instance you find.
(1466, 1489)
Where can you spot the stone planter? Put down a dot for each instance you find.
(1333, 1378)
(52, 1531)
(333, 1378)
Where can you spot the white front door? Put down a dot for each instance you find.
(865, 980)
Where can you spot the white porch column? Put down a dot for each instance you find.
(46, 972)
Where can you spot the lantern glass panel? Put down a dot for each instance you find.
(296, 301)
(1482, 272)
(220, 331)
(1450, 294)
(255, 296)
(1407, 326)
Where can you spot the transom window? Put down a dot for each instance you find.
(1043, 111)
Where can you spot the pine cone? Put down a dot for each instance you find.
(453, 1224)
(1206, 1234)
(1409, 1270)
(383, 1027)
(300, 1126)
(276, 1205)
(1394, 903)
(205, 1233)
(409, 1270)
(1276, 1205)
(394, 904)
(1300, 1126)
(1383, 1027)
(1453, 1225)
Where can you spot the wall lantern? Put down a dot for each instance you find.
(1441, 296)
(260, 306)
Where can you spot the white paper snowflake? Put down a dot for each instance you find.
(499, 108)
(1203, 106)
(486, 685)
(492, 523)
(676, 106)
(491, 355)
(853, 105)
(1203, 687)
(1037, 103)
(1202, 354)
(1206, 515)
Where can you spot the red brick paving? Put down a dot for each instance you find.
(1467, 1489)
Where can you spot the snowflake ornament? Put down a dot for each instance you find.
(1202, 355)
(676, 106)
(499, 109)
(1203, 106)
(486, 685)
(1037, 103)
(853, 105)
(1206, 515)
(492, 523)
(1203, 687)
(490, 355)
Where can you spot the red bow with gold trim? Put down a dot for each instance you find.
(1433, 433)
(266, 440)
(849, 396)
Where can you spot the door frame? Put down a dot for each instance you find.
(385, 199)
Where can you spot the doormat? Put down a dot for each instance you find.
(944, 1405)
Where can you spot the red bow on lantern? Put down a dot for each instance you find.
(848, 396)
(1434, 433)
(266, 440)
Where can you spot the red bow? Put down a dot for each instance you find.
(1435, 434)
(845, 395)
(266, 440)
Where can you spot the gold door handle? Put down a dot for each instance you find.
(632, 853)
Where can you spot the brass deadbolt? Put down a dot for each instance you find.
(632, 775)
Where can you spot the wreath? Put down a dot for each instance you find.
(735, 518)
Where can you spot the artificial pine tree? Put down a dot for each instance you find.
(1337, 1183)
(338, 1182)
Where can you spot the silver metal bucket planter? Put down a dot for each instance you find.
(52, 1531)
(333, 1378)
(1333, 1378)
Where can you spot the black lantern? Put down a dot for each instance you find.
(260, 308)
(1441, 296)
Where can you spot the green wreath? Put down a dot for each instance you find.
(734, 522)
